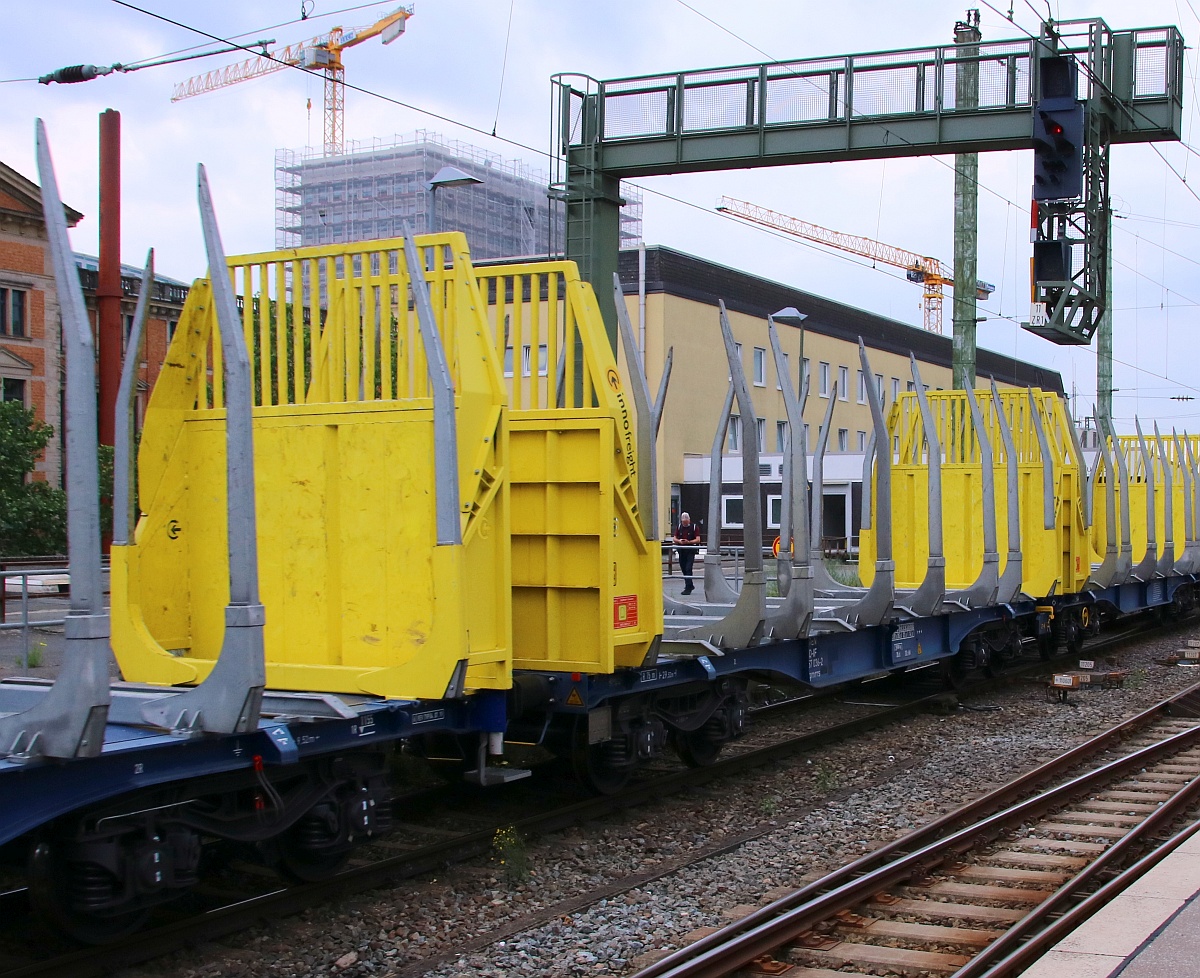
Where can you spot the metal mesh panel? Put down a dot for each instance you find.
(803, 98)
(996, 78)
(727, 105)
(1150, 64)
(641, 113)
(930, 101)
(885, 91)
(575, 122)
(620, 85)
(894, 59)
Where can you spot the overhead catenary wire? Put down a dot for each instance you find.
(503, 65)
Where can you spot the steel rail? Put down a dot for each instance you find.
(1022, 957)
(769, 927)
(1025, 941)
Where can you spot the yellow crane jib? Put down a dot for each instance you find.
(322, 53)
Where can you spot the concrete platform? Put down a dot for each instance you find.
(1151, 931)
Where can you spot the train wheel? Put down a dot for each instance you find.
(302, 854)
(954, 671)
(1075, 636)
(56, 888)
(303, 866)
(699, 748)
(696, 748)
(1045, 646)
(603, 768)
(1067, 634)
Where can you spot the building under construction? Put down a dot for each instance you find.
(368, 192)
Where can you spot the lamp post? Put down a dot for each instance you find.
(447, 176)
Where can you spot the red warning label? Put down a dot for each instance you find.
(625, 614)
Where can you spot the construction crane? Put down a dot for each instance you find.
(920, 269)
(322, 53)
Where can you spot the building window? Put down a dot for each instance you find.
(895, 389)
(172, 325)
(760, 367)
(843, 383)
(13, 312)
(12, 389)
(526, 356)
(731, 511)
(862, 441)
(824, 379)
(774, 512)
(735, 433)
(862, 388)
(738, 349)
(911, 386)
(843, 439)
(508, 361)
(879, 386)
(761, 423)
(781, 436)
(805, 373)
(806, 435)
(127, 320)
(779, 380)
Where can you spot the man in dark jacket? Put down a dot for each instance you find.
(687, 542)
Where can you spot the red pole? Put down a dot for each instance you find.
(108, 286)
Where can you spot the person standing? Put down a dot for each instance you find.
(687, 542)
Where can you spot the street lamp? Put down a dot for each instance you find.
(792, 316)
(447, 176)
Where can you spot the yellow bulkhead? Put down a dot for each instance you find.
(1130, 447)
(587, 585)
(1054, 556)
(358, 598)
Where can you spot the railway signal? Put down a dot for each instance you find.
(1059, 127)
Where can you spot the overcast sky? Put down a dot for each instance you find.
(450, 62)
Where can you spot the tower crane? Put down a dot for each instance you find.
(322, 53)
(920, 269)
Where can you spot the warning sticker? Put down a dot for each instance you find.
(625, 612)
(574, 699)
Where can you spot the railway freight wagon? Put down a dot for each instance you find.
(362, 525)
(992, 495)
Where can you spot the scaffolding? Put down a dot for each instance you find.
(367, 193)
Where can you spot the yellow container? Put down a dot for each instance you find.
(587, 585)
(358, 597)
(1054, 555)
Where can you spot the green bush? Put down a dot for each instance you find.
(33, 515)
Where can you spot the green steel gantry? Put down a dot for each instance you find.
(871, 106)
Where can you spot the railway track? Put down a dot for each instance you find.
(250, 895)
(988, 888)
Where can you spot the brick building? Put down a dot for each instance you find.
(31, 359)
(30, 341)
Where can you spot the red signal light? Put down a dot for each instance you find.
(1053, 128)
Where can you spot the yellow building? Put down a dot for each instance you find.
(681, 293)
